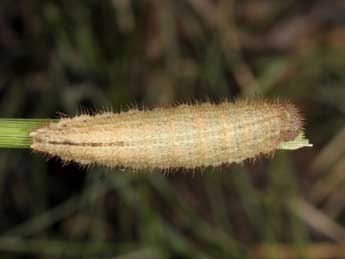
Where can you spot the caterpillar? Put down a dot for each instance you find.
(184, 136)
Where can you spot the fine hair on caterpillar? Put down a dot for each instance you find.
(183, 136)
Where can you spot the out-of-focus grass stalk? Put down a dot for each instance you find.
(14, 133)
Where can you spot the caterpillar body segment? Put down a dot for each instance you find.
(187, 135)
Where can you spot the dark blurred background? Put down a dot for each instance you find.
(66, 56)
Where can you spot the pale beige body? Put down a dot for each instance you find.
(186, 136)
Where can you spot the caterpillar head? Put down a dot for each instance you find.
(292, 121)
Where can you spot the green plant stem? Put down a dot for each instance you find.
(14, 133)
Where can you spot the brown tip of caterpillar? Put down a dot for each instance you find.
(293, 121)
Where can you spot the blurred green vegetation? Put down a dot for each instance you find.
(70, 56)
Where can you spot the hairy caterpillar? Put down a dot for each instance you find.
(188, 135)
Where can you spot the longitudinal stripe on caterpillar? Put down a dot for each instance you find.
(186, 136)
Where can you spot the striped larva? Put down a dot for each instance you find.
(187, 135)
